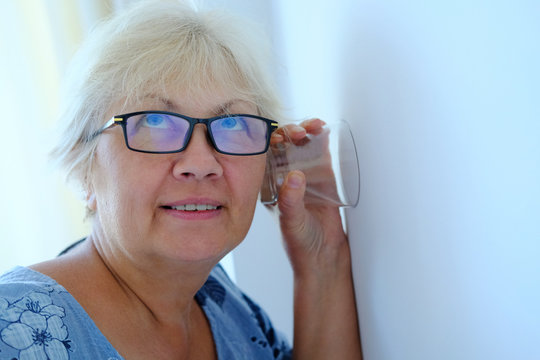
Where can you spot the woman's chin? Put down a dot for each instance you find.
(195, 252)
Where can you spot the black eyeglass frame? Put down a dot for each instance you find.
(122, 120)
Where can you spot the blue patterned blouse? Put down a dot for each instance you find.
(40, 320)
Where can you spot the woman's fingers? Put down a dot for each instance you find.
(291, 205)
(291, 133)
(296, 133)
(313, 126)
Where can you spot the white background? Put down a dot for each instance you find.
(443, 98)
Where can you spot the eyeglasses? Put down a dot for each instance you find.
(161, 132)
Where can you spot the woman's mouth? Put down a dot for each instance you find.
(193, 207)
(194, 211)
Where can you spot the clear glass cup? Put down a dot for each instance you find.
(328, 159)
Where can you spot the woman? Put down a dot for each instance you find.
(171, 178)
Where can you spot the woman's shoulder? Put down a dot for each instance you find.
(25, 293)
(38, 317)
(30, 289)
(30, 309)
(21, 280)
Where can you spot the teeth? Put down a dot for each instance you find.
(194, 207)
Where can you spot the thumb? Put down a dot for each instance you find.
(291, 203)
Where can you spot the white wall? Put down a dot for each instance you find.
(445, 100)
(443, 97)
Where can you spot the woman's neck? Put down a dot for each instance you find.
(127, 302)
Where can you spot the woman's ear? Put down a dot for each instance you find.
(91, 201)
(90, 197)
(91, 204)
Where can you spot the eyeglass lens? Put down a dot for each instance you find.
(156, 132)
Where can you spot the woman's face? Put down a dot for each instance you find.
(140, 198)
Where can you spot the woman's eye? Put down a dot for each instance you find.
(154, 121)
(231, 124)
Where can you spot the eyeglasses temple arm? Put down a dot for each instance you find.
(112, 122)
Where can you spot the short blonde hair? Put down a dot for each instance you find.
(151, 47)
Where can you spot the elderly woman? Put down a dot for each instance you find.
(167, 130)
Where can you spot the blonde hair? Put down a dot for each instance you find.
(152, 47)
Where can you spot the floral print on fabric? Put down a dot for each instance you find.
(279, 349)
(214, 290)
(35, 327)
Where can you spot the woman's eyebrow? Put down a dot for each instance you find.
(225, 107)
(169, 104)
(221, 109)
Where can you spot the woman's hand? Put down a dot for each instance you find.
(325, 317)
(313, 232)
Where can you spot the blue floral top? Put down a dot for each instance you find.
(40, 320)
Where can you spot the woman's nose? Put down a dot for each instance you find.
(198, 160)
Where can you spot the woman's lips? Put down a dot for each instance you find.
(193, 209)
(193, 214)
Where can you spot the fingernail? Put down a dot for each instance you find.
(295, 181)
(299, 129)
